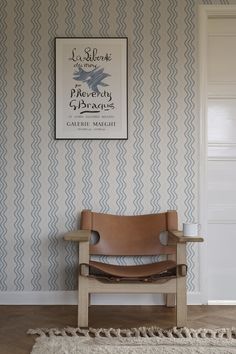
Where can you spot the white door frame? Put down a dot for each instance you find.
(205, 12)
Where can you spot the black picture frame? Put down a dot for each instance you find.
(91, 88)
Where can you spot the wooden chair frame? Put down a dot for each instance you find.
(174, 288)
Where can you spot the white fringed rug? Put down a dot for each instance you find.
(134, 341)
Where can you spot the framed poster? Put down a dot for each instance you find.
(91, 88)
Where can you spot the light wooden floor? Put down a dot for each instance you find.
(16, 320)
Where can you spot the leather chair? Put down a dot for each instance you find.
(132, 236)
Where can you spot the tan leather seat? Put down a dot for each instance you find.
(145, 272)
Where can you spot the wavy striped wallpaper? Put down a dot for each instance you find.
(45, 183)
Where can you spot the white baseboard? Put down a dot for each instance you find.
(70, 298)
(127, 299)
(221, 302)
(38, 298)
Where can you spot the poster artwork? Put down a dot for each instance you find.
(91, 88)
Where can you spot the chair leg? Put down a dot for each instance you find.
(83, 302)
(181, 302)
(181, 290)
(170, 300)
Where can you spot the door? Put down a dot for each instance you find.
(221, 159)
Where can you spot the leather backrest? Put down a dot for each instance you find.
(129, 235)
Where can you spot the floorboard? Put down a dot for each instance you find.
(16, 320)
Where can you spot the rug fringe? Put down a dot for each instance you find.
(225, 333)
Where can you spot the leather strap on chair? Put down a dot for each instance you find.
(145, 272)
(105, 278)
(182, 269)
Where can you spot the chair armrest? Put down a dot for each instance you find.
(78, 236)
(178, 236)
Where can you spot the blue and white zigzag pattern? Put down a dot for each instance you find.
(53, 159)
(3, 150)
(104, 176)
(138, 105)
(18, 146)
(27, 211)
(35, 147)
(104, 18)
(121, 18)
(189, 126)
(172, 104)
(155, 106)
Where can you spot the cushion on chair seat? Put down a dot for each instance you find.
(139, 272)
